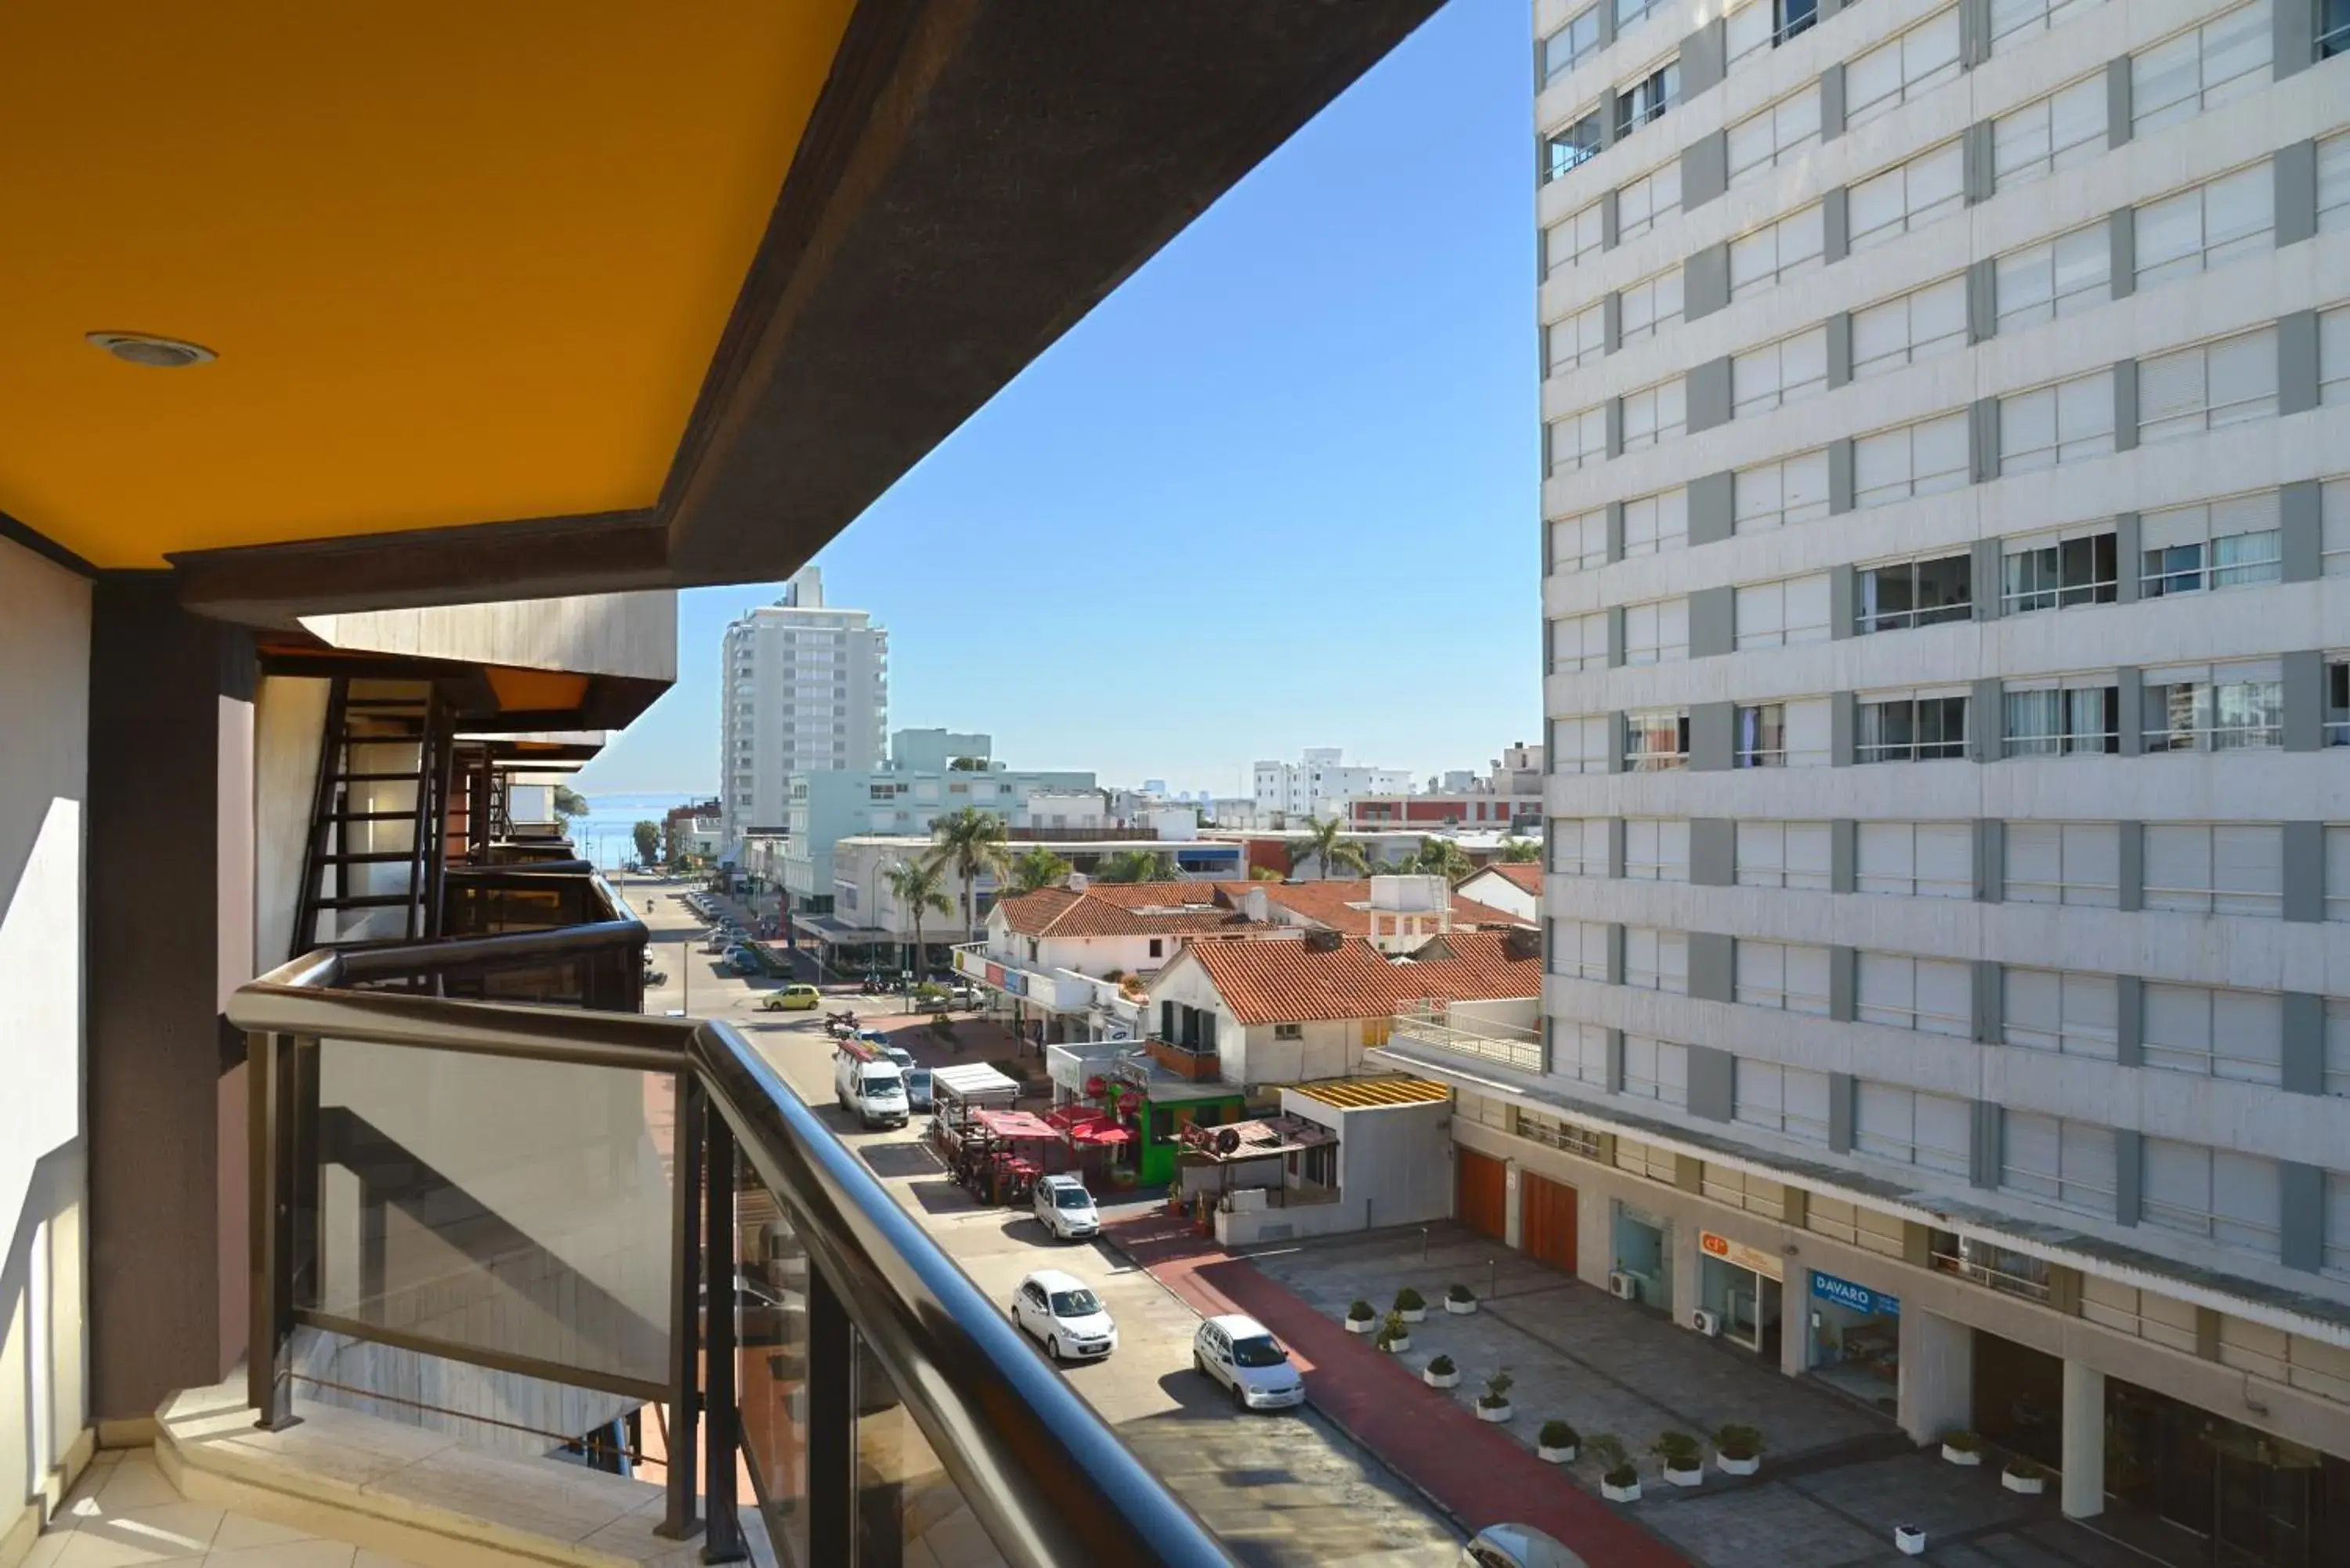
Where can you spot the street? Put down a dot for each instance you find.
(1281, 1489)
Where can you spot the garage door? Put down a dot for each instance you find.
(1547, 1225)
(1482, 1201)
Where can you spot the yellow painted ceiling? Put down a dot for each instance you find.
(462, 260)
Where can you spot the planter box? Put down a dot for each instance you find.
(1745, 1467)
(1412, 1315)
(1620, 1493)
(2030, 1486)
(1910, 1540)
(1493, 1412)
(1565, 1456)
(1440, 1379)
(1370, 1324)
(1692, 1475)
(1962, 1455)
(1458, 1309)
(1396, 1346)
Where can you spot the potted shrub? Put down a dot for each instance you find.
(1393, 1337)
(1493, 1404)
(1557, 1442)
(1737, 1450)
(1683, 1455)
(2029, 1477)
(1962, 1447)
(1411, 1304)
(1440, 1373)
(1459, 1300)
(1618, 1480)
(1909, 1539)
(1174, 1197)
(1361, 1317)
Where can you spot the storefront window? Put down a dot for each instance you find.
(1644, 1254)
(1740, 1285)
(2248, 1497)
(1856, 1339)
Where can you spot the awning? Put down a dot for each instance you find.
(1093, 1132)
(975, 1082)
(1014, 1125)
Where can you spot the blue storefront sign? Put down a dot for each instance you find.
(1858, 1298)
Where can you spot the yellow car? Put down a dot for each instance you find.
(792, 999)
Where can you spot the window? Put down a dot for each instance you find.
(1914, 859)
(1647, 98)
(1655, 960)
(1578, 440)
(2068, 1163)
(2061, 131)
(1564, 49)
(1768, 23)
(2336, 1258)
(1783, 373)
(1881, 79)
(1630, 11)
(2068, 1012)
(2226, 544)
(2069, 274)
(1579, 745)
(1649, 303)
(2074, 716)
(1578, 950)
(2337, 1046)
(1909, 196)
(1774, 134)
(1157, 947)
(1656, 740)
(1932, 996)
(2232, 1198)
(2214, 708)
(1773, 494)
(2214, 1033)
(1777, 252)
(2333, 28)
(1656, 1070)
(2337, 707)
(1905, 593)
(1655, 196)
(2334, 526)
(1579, 340)
(1653, 524)
(1916, 326)
(2208, 226)
(1783, 855)
(1789, 1100)
(2338, 873)
(1573, 240)
(2059, 570)
(1791, 978)
(1566, 149)
(1578, 642)
(1578, 1051)
(1654, 413)
(1912, 459)
(1289, 1031)
(1578, 846)
(2333, 355)
(1783, 734)
(2217, 868)
(2334, 184)
(2223, 59)
(1781, 614)
(2049, 426)
(1656, 850)
(1656, 633)
(1579, 543)
(2016, 23)
(1934, 1132)
(2077, 863)
(1911, 728)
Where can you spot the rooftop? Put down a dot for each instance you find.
(1300, 982)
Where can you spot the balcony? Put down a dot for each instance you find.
(1186, 1062)
(1464, 1035)
(861, 1400)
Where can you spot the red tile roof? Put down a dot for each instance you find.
(1058, 912)
(1345, 906)
(1470, 966)
(1277, 981)
(1526, 874)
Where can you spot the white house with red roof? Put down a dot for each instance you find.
(1513, 886)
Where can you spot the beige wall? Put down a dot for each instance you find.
(589, 634)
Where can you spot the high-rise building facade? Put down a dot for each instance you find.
(1947, 539)
(807, 690)
(1320, 782)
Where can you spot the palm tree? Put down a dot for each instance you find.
(1136, 866)
(1040, 868)
(1325, 841)
(1441, 857)
(972, 842)
(921, 887)
(1520, 851)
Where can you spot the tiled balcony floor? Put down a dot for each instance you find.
(123, 1511)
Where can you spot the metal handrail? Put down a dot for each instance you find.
(1051, 1484)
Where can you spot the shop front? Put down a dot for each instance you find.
(1644, 1256)
(1740, 1285)
(2194, 1487)
(1856, 1339)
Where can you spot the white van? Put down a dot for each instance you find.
(874, 1089)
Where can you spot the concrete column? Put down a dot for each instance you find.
(1514, 1211)
(2083, 1492)
(1687, 1266)
(1594, 1246)
(1937, 1385)
(1795, 1321)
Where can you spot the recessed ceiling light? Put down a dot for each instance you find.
(145, 348)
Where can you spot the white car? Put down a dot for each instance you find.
(1242, 1354)
(1065, 1207)
(1068, 1319)
(1518, 1546)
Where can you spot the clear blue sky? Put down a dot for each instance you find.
(1279, 491)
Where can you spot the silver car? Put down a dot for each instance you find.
(1242, 1354)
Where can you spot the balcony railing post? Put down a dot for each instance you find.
(722, 1423)
(685, 1314)
(831, 1425)
(272, 1108)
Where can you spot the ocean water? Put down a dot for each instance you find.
(605, 835)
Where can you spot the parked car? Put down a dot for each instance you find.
(1518, 1546)
(1242, 1354)
(1066, 1209)
(962, 993)
(874, 1090)
(656, 977)
(1060, 1314)
(918, 1078)
(792, 999)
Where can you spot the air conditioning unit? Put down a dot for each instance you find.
(1706, 1323)
(1623, 1287)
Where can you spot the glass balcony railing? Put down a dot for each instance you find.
(603, 1212)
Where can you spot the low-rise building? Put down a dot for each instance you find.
(1513, 886)
(1394, 914)
(1072, 961)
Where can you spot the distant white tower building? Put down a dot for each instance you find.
(806, 690)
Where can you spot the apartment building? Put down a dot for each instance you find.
(807, 691)
(1947, 529)
(1319, 781)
